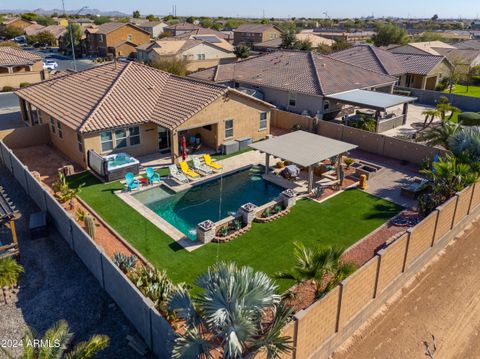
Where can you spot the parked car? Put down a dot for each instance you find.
(49, 64)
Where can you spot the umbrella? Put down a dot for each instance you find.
(184, 148)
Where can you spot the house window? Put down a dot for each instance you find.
(52, 125)
(100, 38)
(263, 120)
(228, 128)
(292, 99)
(59, 128)
(120, 138)
(326, 105)
(79, 142)
(201, 57)
(134, 135)
(130, 37)
(106, 140)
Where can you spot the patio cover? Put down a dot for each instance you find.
(380, 101)
(303, 148)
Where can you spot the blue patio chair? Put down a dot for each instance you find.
(153, 177)
(131, 181)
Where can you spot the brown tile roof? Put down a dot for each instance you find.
(184, 26)
(10, 56)
(303, 72)
(112, 26)
(469, 44)
(419, 64)
(55, 30)
(122, 94)
(34, 29)
(256, 28)
(461, 56)
(203, 31)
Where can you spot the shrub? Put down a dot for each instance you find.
(348, 162)
(125, 262)
(469, 118)
(8, 88)
(24, 84)
(476, 80)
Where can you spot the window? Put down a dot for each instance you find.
(79, 142)
(134, 135)
(120, 138)
(106, 141)
(100, 38)
(59, 128)
(200, 56)
(263, 120)
(228, 128)
(130, 37)
(292, 99)
(326, 105)
(52, 125)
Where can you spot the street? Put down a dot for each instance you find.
(8, 100)
(64, 62)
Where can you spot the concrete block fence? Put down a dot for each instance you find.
(140, 311)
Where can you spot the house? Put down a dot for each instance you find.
(353, 37)
(316, 41)
(251, 34)
(296, 81)
(17, 22)
(134, 108)
(462, 59)
(201, 51)
(155, 28)
(423, 71)
(33, 29)
(421, 48)
(19, 66)
(119, 39)
(187, 28)
(469, 45)
(56, 30)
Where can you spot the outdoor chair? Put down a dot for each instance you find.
(209, 162)
(131, 181)
(201, 167)
(416, 188)
(153, 177)
(186, 169)
(179, 176)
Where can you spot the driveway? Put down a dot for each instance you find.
(56, 285)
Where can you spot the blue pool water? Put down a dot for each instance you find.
(184, 210)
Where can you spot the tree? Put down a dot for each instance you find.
(242, 51)
(60, 338)
(206, 22)
(304, 45)
(439, 135)
(430, 114)
(174, 66)
(77, 38)
(316, 264)
(388, 34)
(190, 19)
(10, 32)
(228, 315)
(136, 14)
(435, 17)
(99, 20)
(341, 44)
(44, 37)
(10, 271)
(152, 18)
(289, 38)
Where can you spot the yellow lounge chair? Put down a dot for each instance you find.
(186, 169)
(209, 162)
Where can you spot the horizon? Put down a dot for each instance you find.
(408, 9)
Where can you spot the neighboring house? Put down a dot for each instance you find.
(61, 21)
(56, 30)
(421, 48)
(200, 51)
(137, 20)
(17, 22)
(251, 34)
(19, 66)
(33, 29)
(463, 59)
(298, 81)
(187, 28)
(469, 45)
(350, 37)
(316, 41)
(413, 70)
(119, 39)
(155, 28)
(133, 108)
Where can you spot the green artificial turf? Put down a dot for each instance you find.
(473, 91)
(341, 220)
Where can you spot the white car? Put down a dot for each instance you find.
(49, 65)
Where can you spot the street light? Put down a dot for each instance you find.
(71, 33)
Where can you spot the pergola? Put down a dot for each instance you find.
(304, 149)
(8, 215)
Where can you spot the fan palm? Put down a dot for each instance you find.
(55, 343)
(10, 271)
(228, 314)
(439, 135)
(430, 114)
(443, 108)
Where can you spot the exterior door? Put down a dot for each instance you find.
(163, 139)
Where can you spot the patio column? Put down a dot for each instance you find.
(310, 179)
(267, 163)
(405, 113)
(174, 145)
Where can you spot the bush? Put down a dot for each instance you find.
(469, 118)
(125, 262)
(8, 88)
(476, 80)
(24, 84)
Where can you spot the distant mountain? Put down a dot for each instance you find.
(60, 11)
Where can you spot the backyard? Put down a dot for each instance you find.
(341, 220)
(473, 91)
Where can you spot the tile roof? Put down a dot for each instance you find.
(255, 28)
(122, 94)
(10, 56)
(315, 40)
(33, 29)
(428, 47)
(460, 56)
(109, 27)
(469, 44)
(151, 24)
(380, 60)
(55, 30)
(202, 31)
(183, 26)
(303, 72)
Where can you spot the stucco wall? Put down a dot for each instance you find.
(15, 79)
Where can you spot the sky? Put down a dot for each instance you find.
(272, 8)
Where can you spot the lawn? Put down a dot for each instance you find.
(342, 220)
(473, 91)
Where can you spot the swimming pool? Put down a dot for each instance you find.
(184, 210)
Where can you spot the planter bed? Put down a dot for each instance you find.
(231, 236)
(261, 219)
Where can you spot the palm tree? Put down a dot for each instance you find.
(59, 338)
(10, 271)
(432, 114)
(443, 108)
(439, 135)
(228, 313)
(316, 264)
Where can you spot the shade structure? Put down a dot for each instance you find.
(380, 101)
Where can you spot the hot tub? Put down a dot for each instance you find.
(118, 164)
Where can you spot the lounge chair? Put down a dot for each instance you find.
(201, 167)
(131, 181)
(209, 162)
(152, 176)
(186, 169)
(174, 173)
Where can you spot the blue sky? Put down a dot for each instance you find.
(275, 8)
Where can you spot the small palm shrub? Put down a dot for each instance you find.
(10, 271)
(125, 262)
(348, 162)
